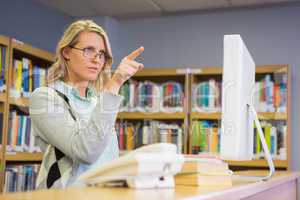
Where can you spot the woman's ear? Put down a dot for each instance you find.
(66, 53)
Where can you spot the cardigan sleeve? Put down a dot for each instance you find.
(52, 121)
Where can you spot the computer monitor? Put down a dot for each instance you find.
(238, 80)
(238, 113)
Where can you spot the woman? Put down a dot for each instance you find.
(73, 116)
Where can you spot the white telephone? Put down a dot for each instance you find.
(151, 166)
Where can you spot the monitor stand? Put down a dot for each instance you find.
(266, 152)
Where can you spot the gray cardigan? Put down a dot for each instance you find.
(52, 124)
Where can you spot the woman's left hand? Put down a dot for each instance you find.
(126, 69)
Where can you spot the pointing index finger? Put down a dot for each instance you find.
(135, 53)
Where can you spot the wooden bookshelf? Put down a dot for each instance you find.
(3, 97)
(211, 70)
(22, 101)
(30, 50)
(265, 69)
(157, 115)
(258, 163)
(206, 115)
(160, 72)
(23, 157)
(272, 115)
(2, 107)
(260, 69)
(4, 41)
(261, 115)
(17, 49)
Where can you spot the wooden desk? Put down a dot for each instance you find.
(282, 186)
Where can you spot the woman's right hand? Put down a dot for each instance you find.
(126, 69)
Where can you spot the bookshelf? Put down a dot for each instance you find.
(193, 76)
(5, 45)
(9, 102)
(213, 116)
(134, 114)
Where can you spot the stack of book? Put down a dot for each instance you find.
(204, 170)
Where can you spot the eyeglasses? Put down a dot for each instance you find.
(91, 53)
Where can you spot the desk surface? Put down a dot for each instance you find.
(239, 190)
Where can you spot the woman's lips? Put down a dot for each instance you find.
(93, 69)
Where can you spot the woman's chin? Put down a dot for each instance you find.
(91, 77)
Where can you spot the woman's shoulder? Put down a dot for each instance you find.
(41, 94)
(41, 91)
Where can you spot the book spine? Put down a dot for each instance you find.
(20, 178)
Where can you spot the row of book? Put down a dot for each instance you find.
(20, 177)
(20, 138)
(146, 96)
(206, 138)
(271, 96)
(275, 135)
(26, 77)
(268, 95)
(206, 96)
(205, 135)
(3, 68)
(134, 135)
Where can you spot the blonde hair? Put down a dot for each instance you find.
(59, 69)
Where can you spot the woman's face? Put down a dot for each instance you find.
(81, 64)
